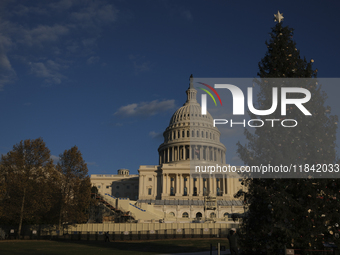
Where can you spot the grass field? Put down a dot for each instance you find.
(23, 247)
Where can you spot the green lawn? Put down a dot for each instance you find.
(13, 247)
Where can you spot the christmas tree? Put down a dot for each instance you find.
(289, 212)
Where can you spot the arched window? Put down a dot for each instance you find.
(185, 215)
(212, 215)
(226, 215)
(172, 214)
(117, 194)
(198, 215)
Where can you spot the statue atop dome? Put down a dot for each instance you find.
(191, 84)
(191, 92)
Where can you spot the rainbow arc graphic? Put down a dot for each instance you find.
(209, 93)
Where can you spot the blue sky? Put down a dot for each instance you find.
(108, 75)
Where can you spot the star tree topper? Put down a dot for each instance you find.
(278, 17)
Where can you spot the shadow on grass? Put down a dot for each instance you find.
(66, 247)
(155, 247)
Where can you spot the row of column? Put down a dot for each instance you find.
(177, 134)
(191, 152)
(183, 185)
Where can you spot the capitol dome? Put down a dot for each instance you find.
(191, 135)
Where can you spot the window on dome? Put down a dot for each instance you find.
(202, 134)
(206, 134)
(193, 133)
(210, 135)
(188, 133)
(178, 134)
(183, 133)
(198, 133)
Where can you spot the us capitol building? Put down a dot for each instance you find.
(167, 192)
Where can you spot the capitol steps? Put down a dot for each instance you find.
(130, 208)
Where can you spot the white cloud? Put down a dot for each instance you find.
(95, 13)
(145, 108)
(55, 158)
(72, 26)
(49, 70)
(42, 34)
(7, 73)
(154, 134)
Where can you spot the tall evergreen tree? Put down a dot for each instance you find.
(75, 187)
(289, 212)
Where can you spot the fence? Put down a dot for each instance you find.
(124, 231)
(140, 235)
